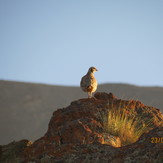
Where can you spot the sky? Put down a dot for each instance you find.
(56, 41)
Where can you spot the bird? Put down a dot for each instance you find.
(88, 82)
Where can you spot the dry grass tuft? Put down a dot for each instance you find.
(125, 124)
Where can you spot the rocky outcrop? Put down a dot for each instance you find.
(13, 152)
(76, 134)
(142, 151)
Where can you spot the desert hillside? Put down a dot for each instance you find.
(25, 108)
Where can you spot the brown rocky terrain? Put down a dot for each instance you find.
(76, 134)
(25, 108)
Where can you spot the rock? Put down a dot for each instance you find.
(105, 96)
(77, 134)
(111, 140)
(141, 151)
(13, 152)
(146, 149)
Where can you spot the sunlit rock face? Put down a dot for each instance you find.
(77, 134)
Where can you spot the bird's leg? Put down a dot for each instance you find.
(89, 95)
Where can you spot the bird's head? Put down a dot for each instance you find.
(92, 69)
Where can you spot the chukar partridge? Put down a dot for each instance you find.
(88, 82)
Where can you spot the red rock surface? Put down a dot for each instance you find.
(76, 134)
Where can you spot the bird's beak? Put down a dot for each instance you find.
(96, 69)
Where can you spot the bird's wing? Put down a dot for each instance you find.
(88, 81)
(85, 81)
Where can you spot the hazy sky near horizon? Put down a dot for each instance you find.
(56, 41)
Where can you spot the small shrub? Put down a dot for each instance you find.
(124, 123)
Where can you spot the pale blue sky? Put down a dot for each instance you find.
(56, 41)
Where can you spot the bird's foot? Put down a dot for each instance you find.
(91, 97)
(94, 98)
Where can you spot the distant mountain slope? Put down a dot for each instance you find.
(25, 108)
